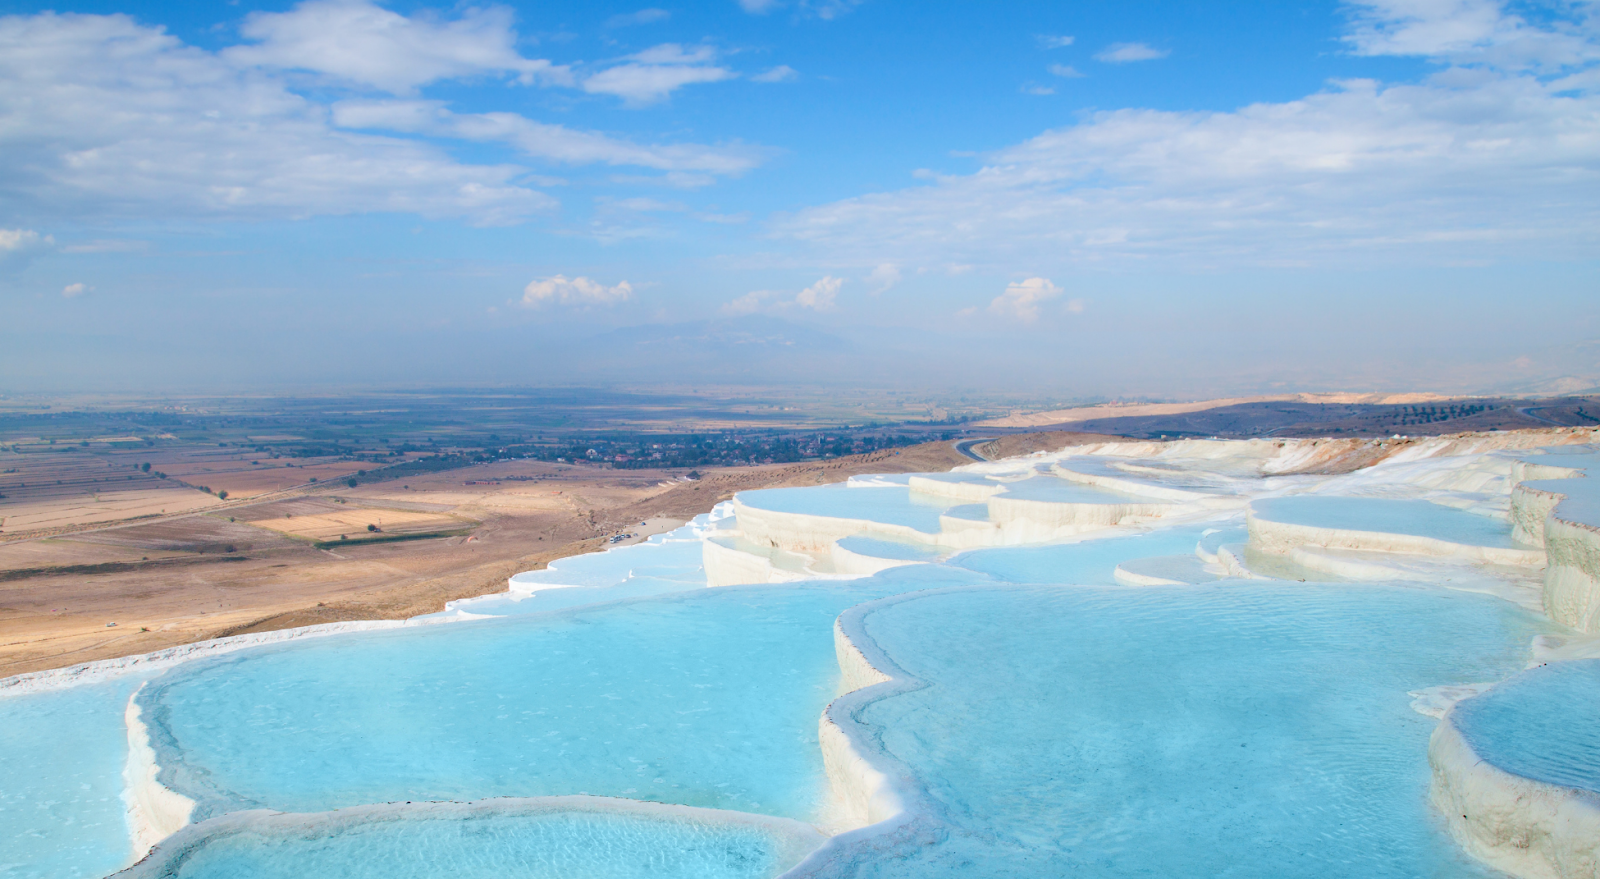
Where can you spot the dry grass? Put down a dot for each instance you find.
(109, 506)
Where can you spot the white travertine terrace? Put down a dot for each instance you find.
(1285, 537)
(1558, 502)
(1526, 828)
(155, 811)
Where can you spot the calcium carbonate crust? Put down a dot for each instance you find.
(796, 837)
(1527, 828)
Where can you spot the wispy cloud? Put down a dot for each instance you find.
(1123, 53)
(1049, 41)
(1473, 164)
(1476, 32)
(781, 73)
(885, 277)
(73, 291)
(579, 291)
(643, 16)
(1065, 71)
(541, 140)
(1033, 88)
(650, 76)
(363, 43)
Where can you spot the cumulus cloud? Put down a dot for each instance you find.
(781, 73)
(643, 16)
(1021, 299)
(650, 76)
(579, 291)
(1122, 53)
(103, 117)
(361, 42)
(18, 247)
(820, 296)
(73, 291)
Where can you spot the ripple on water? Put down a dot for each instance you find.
(1543, 724)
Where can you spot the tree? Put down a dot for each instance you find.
(222, 495)
(145, 466)
(372, 527)
(351, 482)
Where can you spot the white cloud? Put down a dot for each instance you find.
(1064, 70)
(781, 73)
(1122, 53)
(73, 291)
(643, 16)
(361, 42)
(1055, 42)
(1022, 299)
(561, 290)
(882, 278)
(1467, 165)
(751, 302)
(652, 75)
(823, 9)
(18, 247)
(1035, 89)
(540, 140)
(1476, 32)
(821, 295)
(103, 117)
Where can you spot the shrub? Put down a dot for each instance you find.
(372, 527)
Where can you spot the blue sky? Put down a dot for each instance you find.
(1092, 199)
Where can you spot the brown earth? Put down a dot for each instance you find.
(249, 567)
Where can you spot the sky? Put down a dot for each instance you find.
(1087, 199)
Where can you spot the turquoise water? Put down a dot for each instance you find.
(661, 565)
(704, 699)
(888, 504)
(1236, 730)
(1543, 724)
(889, 549)
(540, 845)
(61, 759)
(1088, 562)
(1388, 516)
(708, 698)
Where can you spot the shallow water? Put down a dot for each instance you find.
(1543, 724)
(548, 845)
(887, 504)
(1237, 730)
(1389, 516)
(1088, 562)
(61, 759)
(705, 699)
(889, 549)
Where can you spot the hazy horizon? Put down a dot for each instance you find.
(1079, 202)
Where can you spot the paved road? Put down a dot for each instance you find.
(1529, 410)
(965, 447)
